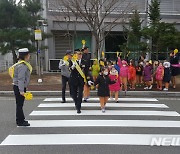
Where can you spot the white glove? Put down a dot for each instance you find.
(73, 66)
(62, 62)
(90, 83)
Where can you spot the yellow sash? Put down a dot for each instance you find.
(11, 69)
(78, 68)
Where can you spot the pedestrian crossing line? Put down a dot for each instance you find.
(140, 105)
(83, 139)
(104, 123)
(108, 112)
(97, 99)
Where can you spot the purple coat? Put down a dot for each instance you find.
(147, 73)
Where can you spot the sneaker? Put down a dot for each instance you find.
(103, 110)
(111, 99)
(85, 100)
(125, 92)
(150, 87)
(146, 88)
(165, 89)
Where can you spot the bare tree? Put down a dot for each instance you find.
(101, 16)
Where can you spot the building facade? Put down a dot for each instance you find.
(68, 32)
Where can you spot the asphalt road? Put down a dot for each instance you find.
(8, 127)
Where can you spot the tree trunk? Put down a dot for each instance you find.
(14, 57)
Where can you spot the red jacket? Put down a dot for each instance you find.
(132, 73)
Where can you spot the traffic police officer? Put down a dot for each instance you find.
(20, 82)
(65, 73)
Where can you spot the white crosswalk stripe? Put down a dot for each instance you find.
(104, 123)
(64, 139)
(108, 112)
(139, 108)
(97, 99)
(138, 105)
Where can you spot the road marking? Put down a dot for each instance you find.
(50, 105)
(104, 123)
(97, 99)
(108, 112)
(75, 139)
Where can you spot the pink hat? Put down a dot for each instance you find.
(124, 62)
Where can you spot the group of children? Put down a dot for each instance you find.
(111, 77)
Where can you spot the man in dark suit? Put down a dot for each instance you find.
(77, 80)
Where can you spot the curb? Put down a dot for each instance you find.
(94, 93)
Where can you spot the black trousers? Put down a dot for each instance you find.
(65, 80)
(77, 94)
(19, 105)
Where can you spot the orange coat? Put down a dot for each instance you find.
(132, 73)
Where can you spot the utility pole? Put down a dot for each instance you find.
(38, 37)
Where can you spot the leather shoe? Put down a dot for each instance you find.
(78, 111)
(63, 101)
(25, 123)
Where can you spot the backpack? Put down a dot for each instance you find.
(12, 68)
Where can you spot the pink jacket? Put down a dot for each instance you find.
(123, 69)
(160, 73)
(115, 86)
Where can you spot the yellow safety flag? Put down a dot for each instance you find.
(117, 53)
(28, 96)
(103, 54)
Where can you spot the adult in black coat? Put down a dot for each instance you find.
(103, 82)
(87, 58)
(174, 59)
(77, 81)
(167, 75)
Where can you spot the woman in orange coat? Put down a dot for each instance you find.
(132, 75)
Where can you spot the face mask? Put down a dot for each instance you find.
(113, 72)
(105, 73)
(166, 66)
(124, 65)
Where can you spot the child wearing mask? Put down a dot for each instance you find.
(102, 82)
(155, 66)
(132, 75)
(167, 75)
(139, 73)
(159, 76)
(123, 72)
(114, 88)
(147, 76)
(95, 69)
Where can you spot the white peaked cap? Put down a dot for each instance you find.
(23, 50)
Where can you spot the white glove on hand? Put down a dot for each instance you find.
(90, 83)
(62, 62)
(73, 66)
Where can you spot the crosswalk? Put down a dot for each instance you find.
(136, 113)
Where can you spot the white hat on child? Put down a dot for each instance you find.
(166, 64)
